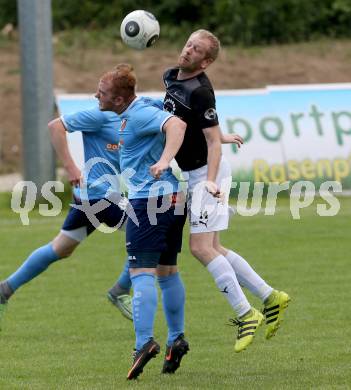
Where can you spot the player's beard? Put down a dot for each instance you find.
(184, 64)
(187, 66)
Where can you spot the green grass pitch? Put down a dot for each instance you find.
(60, 332)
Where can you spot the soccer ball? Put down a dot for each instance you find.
(140, 29)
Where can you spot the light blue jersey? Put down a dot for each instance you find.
(101, 156)
(141, 145)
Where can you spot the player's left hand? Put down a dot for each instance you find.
(232, 139)
(157, 169)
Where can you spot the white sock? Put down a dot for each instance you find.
(228, 284)
(247, 277)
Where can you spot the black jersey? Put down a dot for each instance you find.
(193, 101)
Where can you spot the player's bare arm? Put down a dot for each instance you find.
(59, 142)
(214, 146)
(175, 130)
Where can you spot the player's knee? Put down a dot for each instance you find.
(199, 250)
(166, 270)
(66, 253)
(64, 248)
(63, 253)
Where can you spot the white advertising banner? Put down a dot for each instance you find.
(291, 133)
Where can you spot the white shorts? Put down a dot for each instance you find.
(207, 213)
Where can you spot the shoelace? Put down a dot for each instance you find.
(236, 322)
(242, 331)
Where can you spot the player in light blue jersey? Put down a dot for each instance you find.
(96, 197)
(100, 142)
(149, 139)
(141, 145)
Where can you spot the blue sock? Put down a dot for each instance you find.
(144, 307)
(36, 263)
(173, 300)
(124, 280)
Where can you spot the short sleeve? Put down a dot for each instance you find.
(158, 103)
(152, 120)
(86, 121)
(203, 104)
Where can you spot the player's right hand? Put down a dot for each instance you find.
(213, 189)
(157, 169)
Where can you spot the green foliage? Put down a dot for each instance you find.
(246, 22)
(8, 12)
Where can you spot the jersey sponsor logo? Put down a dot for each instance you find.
(169, 105)
(132, 258)
(123, 124)
(111, 147)
(210, 114)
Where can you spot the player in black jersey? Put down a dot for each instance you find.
(190, 96)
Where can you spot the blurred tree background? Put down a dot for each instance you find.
(238, 22)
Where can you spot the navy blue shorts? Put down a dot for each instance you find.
(112, 216)
(157, 240)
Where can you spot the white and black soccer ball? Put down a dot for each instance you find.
(140, 29)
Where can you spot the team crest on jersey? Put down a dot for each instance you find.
(210, 114)
(123, 124)
(169, 105)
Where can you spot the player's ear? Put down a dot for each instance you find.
(206, 62)
(118, 100)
